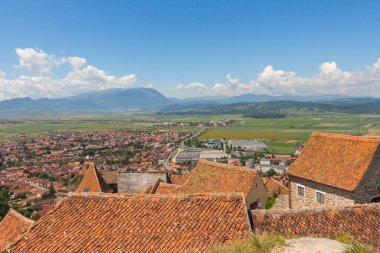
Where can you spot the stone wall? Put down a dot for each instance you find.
(333, 197)
(370, 184)
(282, 202)
(360, 221)
(137, 182)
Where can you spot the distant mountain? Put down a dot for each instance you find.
(147, 99)
(113, 99)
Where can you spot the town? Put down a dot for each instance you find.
(192, 126)
(61, 168)
(38, 170)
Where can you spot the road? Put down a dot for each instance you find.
(181, 146)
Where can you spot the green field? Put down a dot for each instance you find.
(37, 126)
(282, 134)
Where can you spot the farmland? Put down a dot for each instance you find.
(36, 126)
(281, 134)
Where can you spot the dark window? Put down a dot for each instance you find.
(301, 191)
(375, 200)
(320, 197)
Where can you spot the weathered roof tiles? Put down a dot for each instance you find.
(336, 160)
(92, 181)
(274, 186)
(142, 223)
(217, 177)
(12, 226)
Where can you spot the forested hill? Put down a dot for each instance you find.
(278, 109)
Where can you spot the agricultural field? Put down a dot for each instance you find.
(37, 126)
(283, 134)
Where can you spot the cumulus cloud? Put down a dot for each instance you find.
(40, 82)
(330, 80)
(199, 87)
(36, 61)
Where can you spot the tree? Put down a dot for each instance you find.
(270, 173)
(4, 207)
(22, 195)
(51, 189)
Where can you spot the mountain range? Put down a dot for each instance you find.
(148, 99)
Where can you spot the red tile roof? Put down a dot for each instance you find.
(179, 179)
(12, 226)
(92, 181)
(110, 177)
(272, 185)
(336, 160)
(216, 177)
(137, 223)
(164, 188)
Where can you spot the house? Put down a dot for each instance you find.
(92, 180)
(12, 226)
(274, 187)
(137, 182)
(138, 223)
(214, 177)
(335, 170)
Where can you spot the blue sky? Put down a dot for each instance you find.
(190, 48)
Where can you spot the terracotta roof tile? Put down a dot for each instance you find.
(272, 185)
(12, 226)
(92, 181)
(337, 160)
(110, 177)
(179, 179)
(164, 188)
(148, 189)
(140, 223)
(216, 177)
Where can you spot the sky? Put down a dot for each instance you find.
(57, 48)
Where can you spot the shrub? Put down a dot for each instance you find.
(255, 244)
(357, 248)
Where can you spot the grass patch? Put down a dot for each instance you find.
(353, 246)
(255, 244)
(344, 238)
(357, 248)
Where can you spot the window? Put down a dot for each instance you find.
(320, 197)
(375, 200)
(300, 190)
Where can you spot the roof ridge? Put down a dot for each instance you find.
(101, 184)
(140, 195)
(19, 215)
(347, 137)
(327, 156)
(226, 166)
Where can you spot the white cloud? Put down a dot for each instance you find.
(36, 61)
(192, 89)
(330, 80)
(39, 82)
